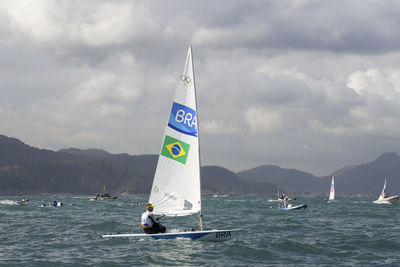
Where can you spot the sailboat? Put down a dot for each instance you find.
(176, 185)
(385, 199)
(332, 191)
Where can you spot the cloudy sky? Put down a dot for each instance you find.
(311, 85)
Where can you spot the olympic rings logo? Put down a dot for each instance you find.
(186, 80)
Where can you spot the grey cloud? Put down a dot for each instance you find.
(286, 64)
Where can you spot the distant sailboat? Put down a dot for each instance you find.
(385, 199)
(332, 190)
(176, 185)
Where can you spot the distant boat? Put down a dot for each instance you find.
(332, 191)
(287, 206)
(53, 203)
(105, 196)
(281, 197)
(218, 194)
(22, 201)
(298, 207)
(176, 189)
(386, 199)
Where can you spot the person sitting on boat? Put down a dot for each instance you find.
(150, 224)
(54, 203)
(282, 196)
(285, 202)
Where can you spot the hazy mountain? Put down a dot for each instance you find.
(28, 169)
(369, 177)
(14, 152)
(289, 180)
(222, 180)
(365, 178)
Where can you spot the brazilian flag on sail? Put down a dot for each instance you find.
(175, 149)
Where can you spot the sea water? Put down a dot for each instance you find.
(349, 232)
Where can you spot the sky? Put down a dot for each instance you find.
(310, 85)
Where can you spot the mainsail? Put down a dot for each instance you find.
(332, 191)
(176, 184)
(382, 195)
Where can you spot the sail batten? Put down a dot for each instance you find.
(176, 185)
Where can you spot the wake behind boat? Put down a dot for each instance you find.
(176, 189)
(385, 199)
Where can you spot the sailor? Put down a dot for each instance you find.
(282, 196)
(54, 203)
(285, 202)
(150, 224)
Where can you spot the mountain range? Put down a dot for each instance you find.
(29, 170)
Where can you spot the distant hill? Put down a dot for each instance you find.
(368, 178)
(29, 170)
(365, 178)
(289, 180)
(218, 179)
(34, 171)
(14, 152)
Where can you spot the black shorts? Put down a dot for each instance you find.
(155, 229)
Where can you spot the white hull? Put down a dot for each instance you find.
(211, 235)
(388, 200)
(299, 207)
(23, 202)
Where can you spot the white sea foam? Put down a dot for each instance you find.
(8, 202)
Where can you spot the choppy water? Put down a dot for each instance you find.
(350, 232)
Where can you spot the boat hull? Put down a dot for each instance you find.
(388, 200)
(23, 201)
(299, 207)
(211, 235)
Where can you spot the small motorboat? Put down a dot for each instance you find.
(22, 201)
(104, 196)
(291, 207)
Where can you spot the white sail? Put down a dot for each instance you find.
(332, 191)
(176, 184)
(382, 195)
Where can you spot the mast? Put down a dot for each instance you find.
(199, 213)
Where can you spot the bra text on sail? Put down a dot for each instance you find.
(183, 119)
